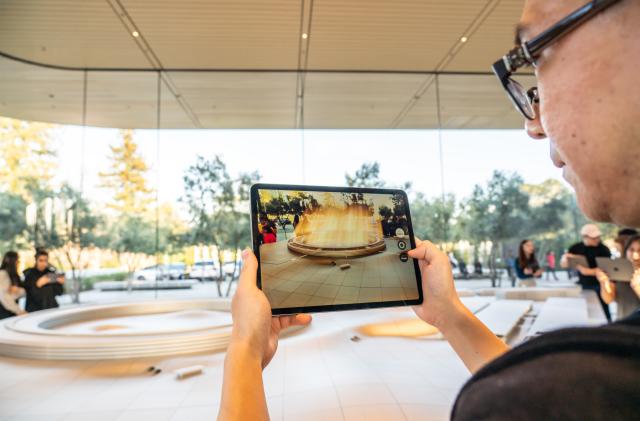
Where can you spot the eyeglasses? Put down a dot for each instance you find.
(528, 52)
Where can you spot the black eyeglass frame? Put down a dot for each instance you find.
(528, 52)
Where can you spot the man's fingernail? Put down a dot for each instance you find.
(245, 253)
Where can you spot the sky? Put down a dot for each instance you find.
(315, 157)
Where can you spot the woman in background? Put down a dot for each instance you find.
(10, 289)
(625, 294)
(526, 264)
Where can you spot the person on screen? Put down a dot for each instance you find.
(590, 247)
(10, 290)
(526, 264)
(267, 231)
(42, 284)
(625, 294)
(588, 108)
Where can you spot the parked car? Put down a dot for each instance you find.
(228, 268)
(170, 271)
(205, 270)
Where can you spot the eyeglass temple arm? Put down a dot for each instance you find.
(579, 16)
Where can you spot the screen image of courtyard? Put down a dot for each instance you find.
(327, 248)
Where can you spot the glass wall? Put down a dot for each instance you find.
(141, 214)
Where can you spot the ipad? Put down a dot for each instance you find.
(617, 270)
(576, 260)
(333, 248)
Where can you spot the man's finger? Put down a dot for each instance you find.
(427, 251)
(249, 270)
(295, 320)
(301, 319)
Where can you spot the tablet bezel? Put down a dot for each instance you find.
(334, 307)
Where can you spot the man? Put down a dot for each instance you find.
(590, 247)
(42, 284)
(586, 104)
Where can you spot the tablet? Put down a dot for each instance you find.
(333, 248)
(618, 270)
(576, 260)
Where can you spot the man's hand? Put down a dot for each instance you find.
(586, 271)
(473, 341)
(60, 279)
(607, 289)
(564, 260)
(253, 325)
(440, 297)
(42, 281)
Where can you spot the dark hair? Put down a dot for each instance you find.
(627, 232)
(630, 241)
(41, 252)
(523, 261)
(10, 264)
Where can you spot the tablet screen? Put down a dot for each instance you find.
(327, 250)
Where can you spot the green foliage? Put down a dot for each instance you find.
(126, 177)
(217, 203)
(434, 219)
(25, 155)
(499, 210)
(13, 224)
(133, 234)
(368, 175)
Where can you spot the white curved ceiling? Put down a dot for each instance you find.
(257, 64)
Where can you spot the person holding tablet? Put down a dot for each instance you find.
(586, 57)
(625, 294)
(590, 247)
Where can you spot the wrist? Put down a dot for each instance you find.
(242, 349)
(452, 319)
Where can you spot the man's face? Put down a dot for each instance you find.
(589, 102)
(42, 262)
(591, 241)
(633, 254)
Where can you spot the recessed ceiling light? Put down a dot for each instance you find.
(463, 39)
(305, 36)
(135, 34)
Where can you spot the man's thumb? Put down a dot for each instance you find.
(249, 268)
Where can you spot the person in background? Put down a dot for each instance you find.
(477, 267)
(10, 290)
(42, 284)
(526, 264)
(621, 240)
(590, 247)
(625, 294)
(551, 265)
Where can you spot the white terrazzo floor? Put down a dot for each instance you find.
(318, 374)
